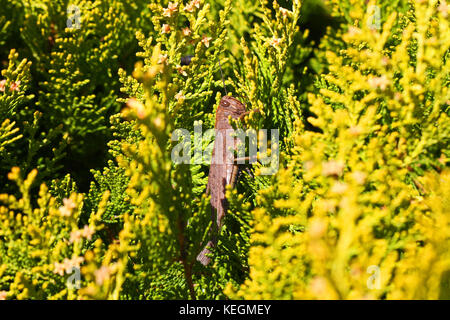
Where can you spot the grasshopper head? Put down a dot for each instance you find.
(230, 106)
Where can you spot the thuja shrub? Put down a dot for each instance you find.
(351, 213)
(93, 207)
(41, 244)
(75, 49)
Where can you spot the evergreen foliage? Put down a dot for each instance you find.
(93, 207)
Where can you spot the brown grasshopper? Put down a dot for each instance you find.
(224, 169)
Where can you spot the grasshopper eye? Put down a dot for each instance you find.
(225, 103)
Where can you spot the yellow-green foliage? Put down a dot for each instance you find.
(13, 85)
(40, 244)
(348, 203)
(359, 208)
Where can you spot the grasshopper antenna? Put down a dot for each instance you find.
(223, 80)
(186, 60)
